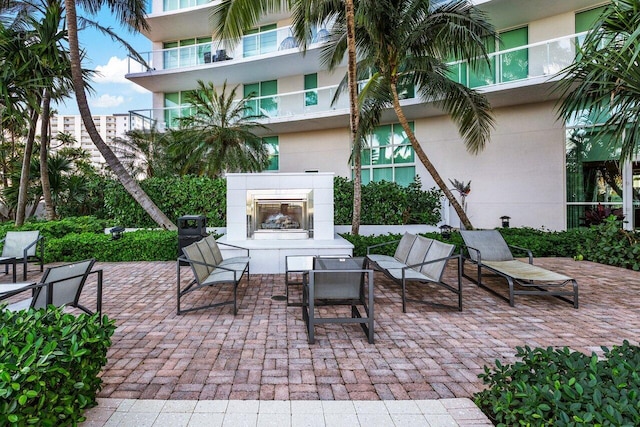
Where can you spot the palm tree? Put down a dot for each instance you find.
(604, 79)
(144, 152)
(407, 43)
(218, 136)
(130, 13)
(233, 17)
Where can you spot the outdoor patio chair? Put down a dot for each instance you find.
(488, 250)
(419, 260)
(210, 269)
(338, 281)
(401, 253)
(61, 286)
(22, 246)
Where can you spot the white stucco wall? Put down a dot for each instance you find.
(520, 173)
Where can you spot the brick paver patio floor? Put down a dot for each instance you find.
(263, 353)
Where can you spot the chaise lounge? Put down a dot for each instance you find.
(488, 250)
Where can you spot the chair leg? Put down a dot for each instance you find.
(24, 270)
(404, 296)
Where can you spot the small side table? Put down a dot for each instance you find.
(296, 265)
(10, 261)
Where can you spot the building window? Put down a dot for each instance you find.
(505, 67)
(260, 40)
(274, 152)
(388, 156)
(595, 185)
(265, 102)
(181, 4)
(310, 94)
(187, 52)
(175, 107)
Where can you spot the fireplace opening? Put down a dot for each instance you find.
(279, 216)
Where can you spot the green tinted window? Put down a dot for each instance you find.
(483, 74)
(274, 152)
(405, 175)
(389, 156)
(587, 19)
(514, 65)
(310, 96)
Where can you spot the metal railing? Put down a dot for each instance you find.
(520, 64)
(262, 43)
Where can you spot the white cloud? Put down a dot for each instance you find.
(108, 101)
(113, 72)
(116, 69)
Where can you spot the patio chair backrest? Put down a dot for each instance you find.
(16, 241)
(67, 283)
(215, 249)
(437, 250)
(404, 247)
(490, 243)
(208, 255)
(200, 270)
(418, 250)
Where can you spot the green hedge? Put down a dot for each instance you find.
(143, 245)
(49, 365)
(387, 203)
(60, 228)
(541, 243)
(550, 387)
(384, 202)
(176, 196)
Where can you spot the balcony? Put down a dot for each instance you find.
(516, 75)
(174, 69)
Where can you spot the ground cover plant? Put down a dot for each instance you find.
(49, 365)
(561, 387)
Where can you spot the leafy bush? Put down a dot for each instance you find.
(608, 243)
(387, 203)
(175, 196)
(49, 365)
(59, 228)
(143, 245)
(564, 388)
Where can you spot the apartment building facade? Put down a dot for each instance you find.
(109, 126)
(537, 170)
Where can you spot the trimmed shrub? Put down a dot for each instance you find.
(175, 196)
(564, 388)
(143, 245)
(49, 365)
(608, 243)
(59, 228)
(387, 203)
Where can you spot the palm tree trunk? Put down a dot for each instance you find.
(354, 117)
(24, 173)
(49, 210)
(114, 164)
(417, 148)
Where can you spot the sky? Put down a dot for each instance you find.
(113, 93)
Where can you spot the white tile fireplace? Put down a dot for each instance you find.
(280, 214)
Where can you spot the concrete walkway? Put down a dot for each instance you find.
(210, 362)
(286, 413)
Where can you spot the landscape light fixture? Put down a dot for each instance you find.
(116, 232)
(445, 231)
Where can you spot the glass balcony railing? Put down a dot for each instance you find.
(514, 65)
(262, 43)
(284, 105)
(521, 63)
